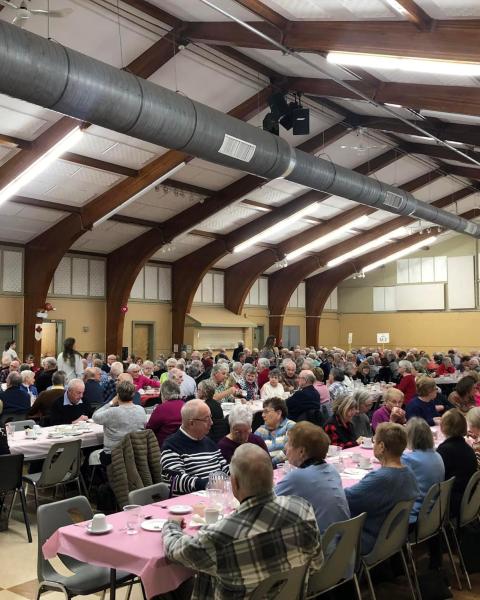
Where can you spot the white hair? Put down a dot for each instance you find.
(240, 415)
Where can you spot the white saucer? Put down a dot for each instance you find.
(107, 530)
(55, 436)
(153, 524)
(367, 447)
(353, 471)
(180, 509)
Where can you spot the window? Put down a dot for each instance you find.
(79, 276)
(258, 294)
(153, 284)
(297, 299)
(210, 290)
(429, 269)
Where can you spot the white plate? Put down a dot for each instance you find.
(367, 447)
(55, 436)
(153, 524)
(180, 509)
(353, 471)
(107, 530)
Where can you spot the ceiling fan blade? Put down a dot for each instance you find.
(9, 4)
(53, 13)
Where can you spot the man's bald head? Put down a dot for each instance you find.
(252, 472)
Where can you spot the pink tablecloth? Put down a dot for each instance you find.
(141, 554)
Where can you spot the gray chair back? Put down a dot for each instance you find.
(341, 561)
(470, 506)
(392, 535)
(149, 494)
(62, 464)
(289, 585)
(433, 510)
(19, 425)
(51, 517)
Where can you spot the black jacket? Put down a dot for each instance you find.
(303, 400)
(65, 414)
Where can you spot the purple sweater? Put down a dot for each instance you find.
(165, 419)
(227, 446)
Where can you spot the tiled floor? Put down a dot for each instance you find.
(18, 571)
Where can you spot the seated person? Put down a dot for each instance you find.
(322, 390)
(458, 457)
(274, 431)
(423, 403)
(28, 382)
(363, 373)
(263, 372)
(16, 400)
(219, 428)
(166, 417)
(248, 382)
(93, 393)
(306, 398)
(385, 373)
(446, 367)
(407, 380)
(223, 391)
(41, 407)
(240, 421)
(463, 397)
(360, 421)
(315, 480)
(473, 424)
(70, 408)
(391, 410)
(139, 380)
(109, 388)
(43, 377)
(120, 416)
(289, 375)
(266, 535)
(189, 455)
(339, 426)
(337, 386)
(379, 491)
(273, 387)
(426, 464)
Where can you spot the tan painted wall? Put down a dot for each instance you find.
(78, 313)
(296, 316)
(259, 316)
(330, 330)
(11, 313)
(158, 313)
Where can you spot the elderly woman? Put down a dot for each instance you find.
(391, 410)
(426, 464)
(236, 373)
(315, 480)
(385, 487)
(273, 387)
(360, 421)
(336, 387)
(166, 418)
(322, 389)
(446, 367)
(240, 421)
(349, 372)
(289, 375)
(141, 381)
(339, 426)
(423, 404)
(170, 363)
(28, 382)
(407, 381)
(363, 374)
(248, 383)
(463, 397)
(473, 424)
(458, 457)
(274, 431)
(219, 428)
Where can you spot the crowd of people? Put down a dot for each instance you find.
(310, 399)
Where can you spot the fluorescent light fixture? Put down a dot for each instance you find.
(404, 63)
(280, 226)
(397, 7)
(393, 105)
(138, 194)
(41, 164)
(384, 239)
(399, 254)
(326, 239)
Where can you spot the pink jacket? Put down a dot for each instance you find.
(142, 382)
(322, 391)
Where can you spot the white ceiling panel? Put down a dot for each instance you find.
(335, 10)
(114, 136)
(362, 107)
(467, 203)
(234, 258)
(277, 192)
(326, 211)
(400, 76)
(22, 228)
(293, 229)
(188, 73)
(229, 219)
(403, 170)
(355, 148)
(182, 245)
(452, 117)
(451, 9)
(107, 237)
(204, 174)
(6, 153)
(22, 119)
(113, 151)
(194, 10)
(439, 188)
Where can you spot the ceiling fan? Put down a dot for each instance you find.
(362, 144)
(23, 13)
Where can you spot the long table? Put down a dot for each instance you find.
(37, 449)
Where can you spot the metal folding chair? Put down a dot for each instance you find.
(11, 468)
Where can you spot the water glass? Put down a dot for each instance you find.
(10, 429)
(133, 513)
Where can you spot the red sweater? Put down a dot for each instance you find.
(443, 370)
(407, 386)
(165, 419)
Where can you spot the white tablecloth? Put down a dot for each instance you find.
(34, 449)
(255, 406)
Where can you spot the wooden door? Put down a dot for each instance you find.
(142, 340)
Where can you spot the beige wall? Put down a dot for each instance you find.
(11, 313)
(330, 330)
(158, 313)
(296, 316)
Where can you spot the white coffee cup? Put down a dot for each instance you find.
(367, 442)
(30, 433)
(99, 522)
(356, 456)
(364, 462)
(211, 515)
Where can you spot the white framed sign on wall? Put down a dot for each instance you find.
(383, 338)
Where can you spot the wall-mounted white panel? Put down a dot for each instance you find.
(461, 287)
(390, 299)
(301, 295)
(151, 282)
(424, 296)
(334, 299)
(224, 337)
(165, 284)
(378, 299)
(402, 271)
(198, 294)
(440, 263)
(218, 288)
(80, 276)
(414, 270)
(263, 291)
(428, 269)
(12, 271)
(207, 288)
(97, 278)
(253, 295)
(62, 280)
(137, 291)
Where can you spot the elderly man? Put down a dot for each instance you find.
(188, 385)
(70, 408)
(13, 367)
(43, 378)
(306, 398)
(111, 358)
(43, 404)
(109, 389)
(266, 535)
(218, 378)
(189, 456)
(93, 393)
(16, 400)
(171, 363)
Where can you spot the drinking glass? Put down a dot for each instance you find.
(133, 513)
(10, 429)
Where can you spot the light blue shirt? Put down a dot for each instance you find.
(66, 400)
(428, 468)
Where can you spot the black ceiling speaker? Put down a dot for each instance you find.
(301, 121)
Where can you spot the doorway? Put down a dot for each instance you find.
(52, 338)
(258, 337)
(7, 334)
(291, 336)
(143, 339)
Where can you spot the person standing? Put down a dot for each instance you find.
(70, 361)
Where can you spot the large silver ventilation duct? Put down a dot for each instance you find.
(50, 75)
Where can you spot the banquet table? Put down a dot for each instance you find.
(36, 449)
(144, 398)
